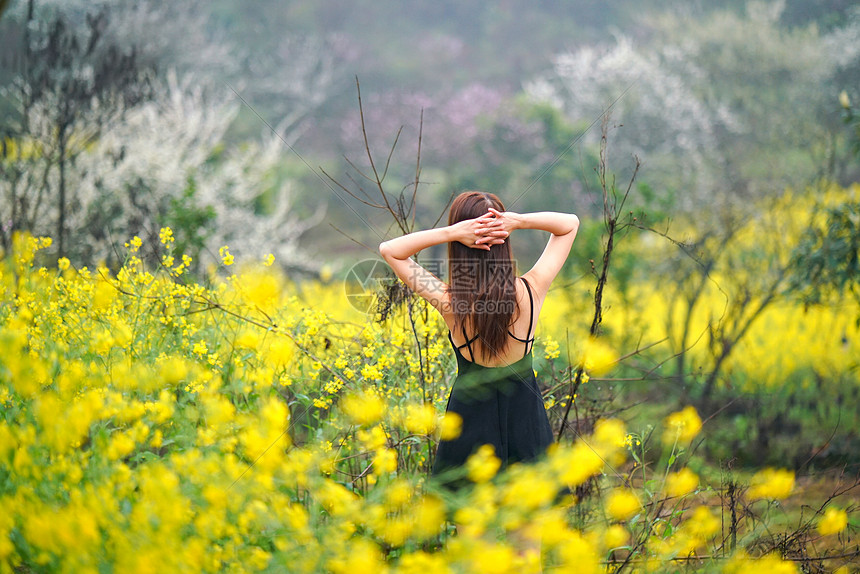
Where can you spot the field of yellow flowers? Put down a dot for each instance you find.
(246, 423)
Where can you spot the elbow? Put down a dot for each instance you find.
(385, 250)
(571, 228)
(391, 252)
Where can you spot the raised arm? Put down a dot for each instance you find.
(398, 254)
(562, 226)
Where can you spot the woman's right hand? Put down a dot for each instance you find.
(494, 220)
(476, 234)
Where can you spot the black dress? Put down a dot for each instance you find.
(500, 406)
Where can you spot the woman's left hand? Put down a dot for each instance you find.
(479, 235)
(495, 226)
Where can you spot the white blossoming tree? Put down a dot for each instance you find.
(720, 109)
(151, 148)
(171, 150)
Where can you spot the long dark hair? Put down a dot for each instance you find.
(482, 291)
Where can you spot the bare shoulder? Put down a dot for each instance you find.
(442, 303)
(548, 265)
(536, 284)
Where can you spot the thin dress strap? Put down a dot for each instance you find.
(529, 338)
(468, 343)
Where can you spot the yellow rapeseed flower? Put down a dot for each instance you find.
(471, 521)
(120, 445)
(491, 558)
(275, 415)
(104, 294)
(363, 408)
(451, 427)
(371, 373)
(682, 482)
(360, 556)
(420, 418)
(396, 529)
(281, 352)
(702, 524)
(771, 563)
(429, 515)
(157, 439)
(771, 483)
(598, 358)
(551, 349)
(834, 521)
(336, 498)
(218, 410)
(609, 434)
(385, 461)
(681, 426)
(421, 562)
(610, 440)
(528, 490)
(248, 339)
(574, 465)
(622, 503)
(484, 464)
(172, 370)
(615, 536)
(261, 288)
(134, 244)
(200, 348)
(398, 494)
(579, 555)
(165, 235)
(226, 258)
(373, 439)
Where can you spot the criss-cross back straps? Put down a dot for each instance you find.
(528, 338)
(468, 343)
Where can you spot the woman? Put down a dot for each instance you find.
(491, 315)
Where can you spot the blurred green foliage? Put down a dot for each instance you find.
(191, 223)
(826, 261)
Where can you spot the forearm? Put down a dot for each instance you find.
(554, 222)
(408, 245)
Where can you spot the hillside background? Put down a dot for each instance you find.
(722, 102)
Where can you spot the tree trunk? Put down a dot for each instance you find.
(61, 225)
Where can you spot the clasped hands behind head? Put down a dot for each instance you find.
(492, 228)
